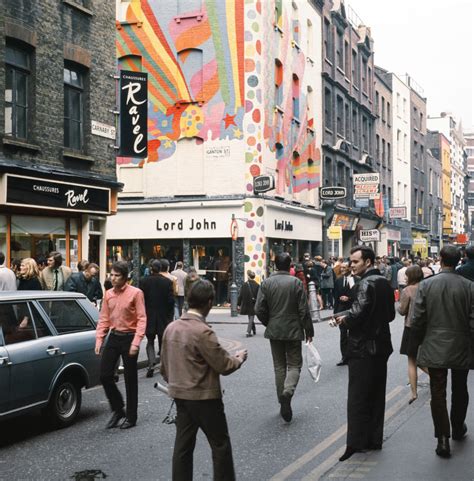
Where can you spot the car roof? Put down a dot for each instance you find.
(40, 295)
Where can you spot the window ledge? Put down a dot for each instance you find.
(74, 155)
(78, 7)
(328, 61)
(339, 69)
(197, 15)
(13, 142)
(279, 109)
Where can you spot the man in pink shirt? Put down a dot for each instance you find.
(123, 315)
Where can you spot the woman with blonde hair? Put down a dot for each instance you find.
(29, 275)
(414, 276)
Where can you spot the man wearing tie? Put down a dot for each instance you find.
(54, 276)
(343, 301)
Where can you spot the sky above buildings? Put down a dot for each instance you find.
(432, 41)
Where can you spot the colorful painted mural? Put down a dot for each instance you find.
(195, 61)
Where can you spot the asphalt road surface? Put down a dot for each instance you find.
(264, 446)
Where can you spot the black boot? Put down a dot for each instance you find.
(443, 450)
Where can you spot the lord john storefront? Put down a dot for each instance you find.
(39, 215)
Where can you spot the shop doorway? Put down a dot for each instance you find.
(94, 248)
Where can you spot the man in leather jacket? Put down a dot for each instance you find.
(369, 347)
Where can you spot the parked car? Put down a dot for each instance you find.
(47, 354)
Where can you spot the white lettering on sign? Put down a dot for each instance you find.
(46, 188)
(73, 199)
(134, 88)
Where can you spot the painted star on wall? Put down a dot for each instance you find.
(229, 120)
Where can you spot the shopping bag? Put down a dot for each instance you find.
(313, 361)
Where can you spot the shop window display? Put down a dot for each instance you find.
(3, 234)
(153, 249)
(119, 251)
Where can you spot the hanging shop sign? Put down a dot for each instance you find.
(345, 221)
(56, 195)
(366, 186)
(398, 212)
(332, 193)
(335, 232)
(369, 235)
(263, 183)
(133, 114)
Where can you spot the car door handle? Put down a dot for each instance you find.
(5, 361)
(53, 350)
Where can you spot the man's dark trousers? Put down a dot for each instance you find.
(119, 345)
(459, 400)
(343, 341)
(210, 417)
(366, 401)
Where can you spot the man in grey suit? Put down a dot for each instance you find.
(7, 276)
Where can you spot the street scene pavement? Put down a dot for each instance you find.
(264, 446)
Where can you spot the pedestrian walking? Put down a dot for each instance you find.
(467, 269)
(29, 276)
(443, 328)
(191, 364)
(159, 305)
(327, 285)
(414, 276)
(246, 301)
(343, 298)
(123, 318)
(54, 276)
(282, 307)
(402, 276)
(369, 347)
(86, 282)
(7, 276)
(180, 276)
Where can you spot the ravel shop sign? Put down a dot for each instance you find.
(55, 195)
(133, 114)
(366, 186)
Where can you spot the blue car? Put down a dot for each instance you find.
(47, 354)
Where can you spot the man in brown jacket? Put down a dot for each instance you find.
(191, 362)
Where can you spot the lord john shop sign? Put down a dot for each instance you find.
(46, 194)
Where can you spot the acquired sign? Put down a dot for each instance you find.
(369, 235)
(133, 114)
(330, 193)
(48, 194)
(398, 212)
(263, 183)
(366, 186)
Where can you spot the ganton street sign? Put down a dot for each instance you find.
(332, 193)
(263, 183)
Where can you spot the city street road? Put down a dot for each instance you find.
(264, 446)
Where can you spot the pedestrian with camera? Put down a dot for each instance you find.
(191, 363)
(368, 350)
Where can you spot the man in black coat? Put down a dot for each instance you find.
(86, 282)
(368, 350)
(159, 304)
(467, 269)
(343, 298)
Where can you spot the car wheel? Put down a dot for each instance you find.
(65, 403)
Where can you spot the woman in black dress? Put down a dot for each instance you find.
(29, 276)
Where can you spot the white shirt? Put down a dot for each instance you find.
(7, 279)
(401, 277)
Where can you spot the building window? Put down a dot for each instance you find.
(340, 49)
(347, 121)
(383, 109)
(328, 46)
(278, 83)
(369, 80)
(377, 148)
(296, 97)
(73, 108)
(364, 75)
(354, 128)
(327, 109)
(309, 39)
(355, 69)
(191, 64)
(340, 114)
(365, 134)
(309, 102)
(388, 114)
(377, 103)
(295, 24)
(16, 92)
(389, 155)
(328, 171)
(347, 58)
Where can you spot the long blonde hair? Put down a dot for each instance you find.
(32, 270)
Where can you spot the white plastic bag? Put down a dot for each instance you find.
(313, 361)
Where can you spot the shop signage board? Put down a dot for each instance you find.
(332, 193)
(345, 221)
(334, 232)
(102, 130)
(263, 183)
(398, 212)
(419, 241)
(369, 235)
(366, 186)
(56, 195)
(133, 114)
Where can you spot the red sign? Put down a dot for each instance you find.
(461, 239)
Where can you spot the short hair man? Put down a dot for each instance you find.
(180, 276)
(7, 276)
(192, 361)
(282, 307)
(55, 275)
(467, 269)
(86, 282)
(159, 303)
(123, 316)
(368, 350)
(443, 323)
